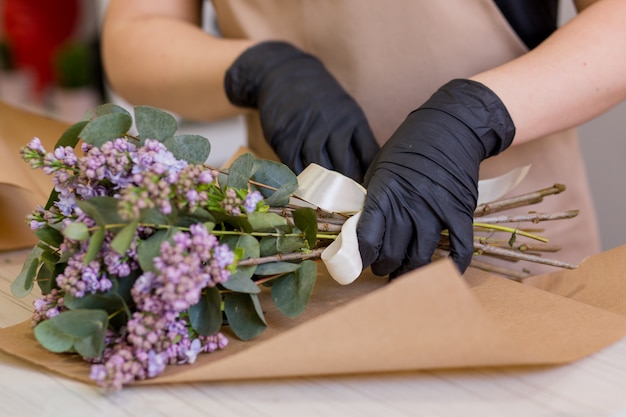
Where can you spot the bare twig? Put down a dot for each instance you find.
(518, 201)
(313, 254)
(511, 253)
(530, 217)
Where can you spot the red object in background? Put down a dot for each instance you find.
(35, 29)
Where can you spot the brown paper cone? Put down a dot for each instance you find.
(431, 318)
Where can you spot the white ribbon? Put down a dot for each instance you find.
(334, 192)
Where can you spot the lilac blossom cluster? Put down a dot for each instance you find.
(158, 334)
(48, 306)
(233, 203)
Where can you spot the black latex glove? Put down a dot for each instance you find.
(425, 179)
(305, 114)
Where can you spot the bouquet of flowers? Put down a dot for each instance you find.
(143, 249)
(145, 253)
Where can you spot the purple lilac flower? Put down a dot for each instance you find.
(47, 306)
(251, 201)
(153, 157)
(231, 203)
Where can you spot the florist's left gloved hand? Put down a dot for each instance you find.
(425, 179)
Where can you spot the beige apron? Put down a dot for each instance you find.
(392, 55)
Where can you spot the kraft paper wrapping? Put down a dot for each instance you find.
(431, 318)
(22, 188)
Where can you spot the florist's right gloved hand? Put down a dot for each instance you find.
(425, 179)
(307, 117)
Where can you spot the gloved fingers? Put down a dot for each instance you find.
(395, 241)
(421, 248)
(461, 234)
(370, 230)
(364, 146)
(341, 150)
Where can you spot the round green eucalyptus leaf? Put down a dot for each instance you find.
(22, 285)
(105, 128)
(244, 314)
(206, 316)
(291, 292)
(279, 177)
(153, 123)
(76, 231)
(150, 248)
(194, 149)
(81, 330)
(276, 268)
(267, 222)
(110, 108)
(241, 281)
(240, 170)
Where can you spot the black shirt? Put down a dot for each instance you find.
(532, 20)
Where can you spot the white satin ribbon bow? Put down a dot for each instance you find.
(334, 192)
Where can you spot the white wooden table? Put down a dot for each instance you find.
(594, 386)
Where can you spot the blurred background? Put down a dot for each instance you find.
(50, 63)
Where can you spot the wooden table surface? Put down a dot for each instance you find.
(594, 386)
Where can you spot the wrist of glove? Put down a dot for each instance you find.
(306, 116)
(425, 179)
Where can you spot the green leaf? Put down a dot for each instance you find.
(153, 123)
(103, 210)
(71, 136)
(125, 237)
(281, 244)
(305, 219)
(22, 285)
(49, 235)
(206, 316)
(76, 231)
(81, 330)
(105, 128)
(150, 248)
(239, 171)
(109, 108)
(241, 281)
(244, 314)
(248, 243)
(50, 257)
(198, 216)
(276, 268)
(267, 222)
(282, 195)
(194, 149)
(292, 291)
(152, 216)
(45, 278)
(111, 302)
(95, 243)
(277, 176)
